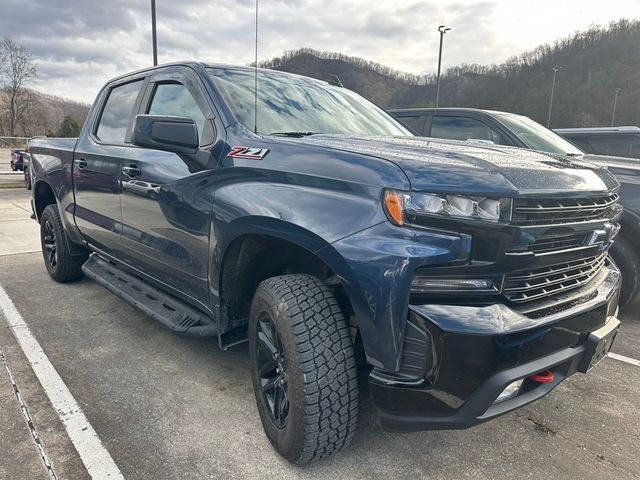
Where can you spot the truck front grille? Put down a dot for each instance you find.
(527, 285)
(527, 211)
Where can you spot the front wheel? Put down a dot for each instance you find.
(303, 368)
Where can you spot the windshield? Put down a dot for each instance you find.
(288, 103)
(537, 137)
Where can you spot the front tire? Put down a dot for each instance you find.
(303, 368)
(627, 260)
(61, 265)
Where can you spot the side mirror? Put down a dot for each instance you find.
(171, 134)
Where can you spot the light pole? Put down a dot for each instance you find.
(153, 33)
(442, 29)
(615, 104)
(553, 88)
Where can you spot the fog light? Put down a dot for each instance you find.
(454, 285)
(511, 391)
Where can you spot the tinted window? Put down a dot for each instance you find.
(116, 114)
(461, 128)
(291, 103)
(616, 145)
(414, 122)
(174, 99)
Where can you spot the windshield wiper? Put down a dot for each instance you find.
(294, 134)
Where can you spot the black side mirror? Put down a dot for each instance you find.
(171, 134)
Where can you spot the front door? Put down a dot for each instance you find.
(166, 222)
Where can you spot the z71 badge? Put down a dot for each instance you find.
(248, 152)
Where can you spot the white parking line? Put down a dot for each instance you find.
(622, 358)
(95, 457)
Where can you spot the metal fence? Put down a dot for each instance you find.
(13, 142)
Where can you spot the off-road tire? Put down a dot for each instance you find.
(628, 261)
(321, 385)
(64, 267)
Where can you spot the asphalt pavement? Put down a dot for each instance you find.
(165, 407)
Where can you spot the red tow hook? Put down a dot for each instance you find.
(545, 376)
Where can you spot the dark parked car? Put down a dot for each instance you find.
(519, 131)
(471, 280)
(16, 159)
(26, 169)
(615, 141)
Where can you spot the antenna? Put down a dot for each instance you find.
(255, 79)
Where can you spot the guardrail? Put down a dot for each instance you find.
(14, 142)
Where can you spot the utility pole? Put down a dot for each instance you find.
(442, 29)
(553, 88)
(615, 104)
(154, 39)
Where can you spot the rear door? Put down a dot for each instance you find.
(98, 160)
(164, 232)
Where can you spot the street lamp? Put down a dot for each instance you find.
(553, 88)
(153, 33)
(615, 104)
(442, 29)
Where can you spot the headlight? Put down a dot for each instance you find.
(399, 205)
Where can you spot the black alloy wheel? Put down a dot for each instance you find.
(271, 365)
(62, 263)
(49, 240)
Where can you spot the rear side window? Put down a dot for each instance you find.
(175, 100)
(116, 114)
(413, 122)
(461, 128)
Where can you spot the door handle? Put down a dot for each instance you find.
(132, 171)
(81, 162)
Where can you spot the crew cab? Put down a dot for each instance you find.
(465, 280)
(503, 128)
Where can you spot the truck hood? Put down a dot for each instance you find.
(453, 166)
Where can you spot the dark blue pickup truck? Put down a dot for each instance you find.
(466, 280)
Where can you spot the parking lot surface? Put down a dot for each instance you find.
(166, 407)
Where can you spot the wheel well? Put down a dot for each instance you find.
(43, 196)
(250, 259)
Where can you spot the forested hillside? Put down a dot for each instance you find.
(593, 64)
(42, 114)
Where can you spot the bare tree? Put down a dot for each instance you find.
(16, 69)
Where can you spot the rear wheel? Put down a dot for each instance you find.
(61, 265)
(303, 368)
(627, 260)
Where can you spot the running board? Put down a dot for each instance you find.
(179, 317)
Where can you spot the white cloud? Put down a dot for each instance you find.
(80, 44)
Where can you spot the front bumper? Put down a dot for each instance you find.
(464, 370)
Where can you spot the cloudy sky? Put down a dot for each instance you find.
(80, 44)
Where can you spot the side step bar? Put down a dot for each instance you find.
(181, 318)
